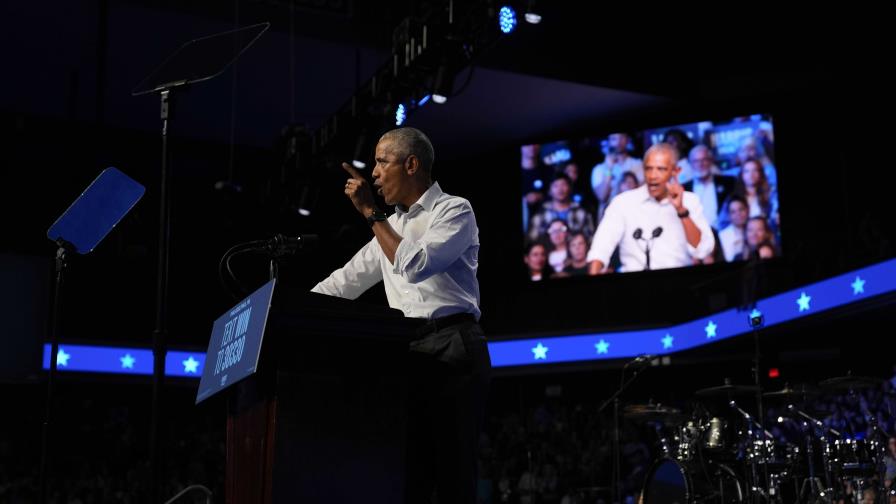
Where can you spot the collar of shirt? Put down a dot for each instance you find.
(645, 196)
(427, 201)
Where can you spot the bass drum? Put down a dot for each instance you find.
(672, 482)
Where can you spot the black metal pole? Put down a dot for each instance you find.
(161, 330)
(46, 455)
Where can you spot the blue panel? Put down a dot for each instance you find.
(807, 300)
(97, 210)
(100, 359)
(185, 364)
(552, 349)
(123, 360)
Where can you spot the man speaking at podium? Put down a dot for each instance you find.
(426, 255)
(658, 217)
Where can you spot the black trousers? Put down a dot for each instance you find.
(449, 376)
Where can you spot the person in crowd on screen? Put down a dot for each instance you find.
(560, 206)
(577, 262)
(628, 182)
(536, 260)
(605, 177)
(762, 201)
(659, 214)
(760, 241)
(683, 144)
(732, 237)
(711, 189)
(751, 148)
(581, 191)
(558, 234)
(426, 254)
(535, 179)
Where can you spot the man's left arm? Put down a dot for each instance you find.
(696, 228)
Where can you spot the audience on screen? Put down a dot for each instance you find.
(727, 183)
(560, 206)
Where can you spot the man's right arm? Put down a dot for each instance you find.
(360, 273)
(609, 234)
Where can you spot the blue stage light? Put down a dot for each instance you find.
(507, 19)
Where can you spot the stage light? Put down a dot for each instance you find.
(400, 115)
(532, 16)
(306, 201)
(423, 101)
(506, 19)
(361, 149)
(442, 84)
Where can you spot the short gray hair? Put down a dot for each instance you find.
(663, 147)
(407, 141)
(697, 148)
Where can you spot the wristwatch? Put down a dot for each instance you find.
(377, 216)
(684, 214)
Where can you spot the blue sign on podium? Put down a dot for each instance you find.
(235, 345)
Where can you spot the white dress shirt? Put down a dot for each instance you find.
(637, 209)
(434, 273)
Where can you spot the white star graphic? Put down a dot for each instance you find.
(541, 352)
(667, 341)
(858, 286)
(127, 362)
(710, 329)
(803, 301)
(62, 358)
(602, 346)
(190, 365)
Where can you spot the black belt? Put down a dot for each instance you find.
(437, 324)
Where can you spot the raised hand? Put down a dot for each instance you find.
(358, 190)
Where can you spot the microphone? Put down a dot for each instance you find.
(282, 245)
(639, 235)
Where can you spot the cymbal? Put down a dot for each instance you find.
(727, 389)
(650, 412)
(850, 382)
(788, 392)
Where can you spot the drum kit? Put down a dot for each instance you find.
(720, 453)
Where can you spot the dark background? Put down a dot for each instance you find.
(66, 113)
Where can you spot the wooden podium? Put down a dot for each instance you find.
(323, 419)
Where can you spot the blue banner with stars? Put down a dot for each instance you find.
(123, 360)
(804, 301)
(808, 300)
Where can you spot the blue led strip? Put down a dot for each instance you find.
(801, 302)
(804, 301)
(123, 360)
